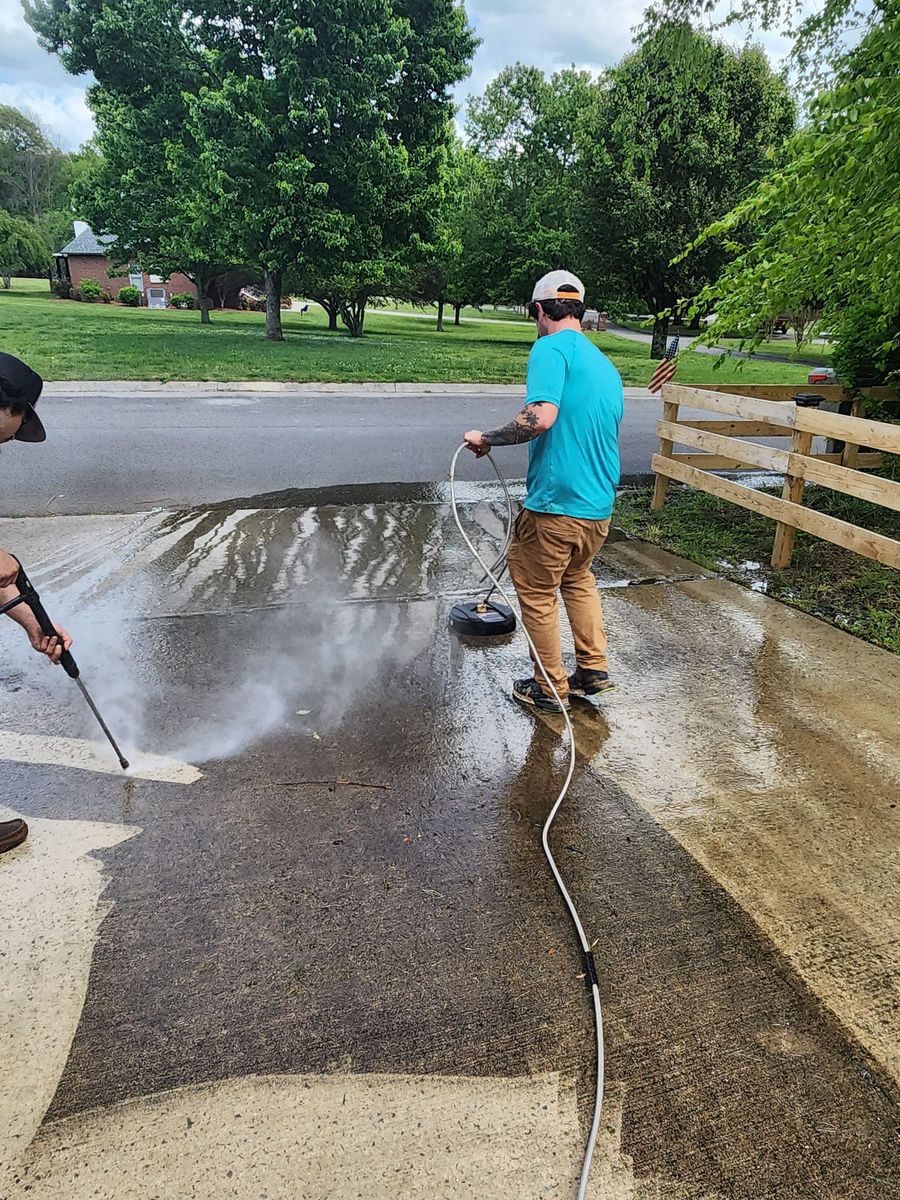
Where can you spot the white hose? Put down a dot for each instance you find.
(545, 836)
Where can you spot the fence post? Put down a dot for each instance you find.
(670, 413)
(801, 443)
(850, 452)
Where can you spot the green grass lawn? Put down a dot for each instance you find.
(487, 313)
(63, 339)
(851, 592)
(816, 352)
(784, 347)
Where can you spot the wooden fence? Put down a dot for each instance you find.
(769, 412)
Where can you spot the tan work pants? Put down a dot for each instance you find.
(551, 553)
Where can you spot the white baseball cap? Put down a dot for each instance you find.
(558, 285)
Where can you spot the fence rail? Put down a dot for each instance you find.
(755, 412)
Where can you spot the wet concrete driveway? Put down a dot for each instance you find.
(331, 962)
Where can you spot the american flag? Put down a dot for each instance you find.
(667, 368)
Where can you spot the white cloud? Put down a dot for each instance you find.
(64, 114)
(550, 36)
(563, 34)
(34, 80)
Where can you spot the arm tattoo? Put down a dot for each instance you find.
(523, 429)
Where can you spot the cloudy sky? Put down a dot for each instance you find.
(32, 79)
(588, 33)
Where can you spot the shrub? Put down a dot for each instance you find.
(89, 291)
(131, 296)
(62, 288)
(182, 300)
(867, 352)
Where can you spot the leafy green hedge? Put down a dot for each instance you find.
(130, 296)
(89, 292)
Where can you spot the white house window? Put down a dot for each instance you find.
(136, 279)
(157, 279)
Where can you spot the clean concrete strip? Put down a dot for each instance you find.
(767, 743)
(83, 755)
(311, 1137)
(50, 889)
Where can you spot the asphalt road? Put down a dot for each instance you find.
(115, 454)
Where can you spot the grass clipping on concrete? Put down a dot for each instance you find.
(852, 592)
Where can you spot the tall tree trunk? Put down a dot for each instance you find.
(204, 300)
(456, 312)
(272, 280)
(203, 282)
(440, 320)
(7, 281)
(332, 306)
(353, 313)
(660, 332)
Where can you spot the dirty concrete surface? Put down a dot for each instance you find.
(317, 952)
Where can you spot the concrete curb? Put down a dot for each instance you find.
(127, 387)
(212, 387)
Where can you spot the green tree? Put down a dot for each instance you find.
(21, 248)
(525, 127)
(452, 269)
(131, 181)
(680, 129)
(33, 171)
(384, 203)
(828, 219)
(139, 188)
(285, 124)
(55, 227)
(55, 224)
(310, 132)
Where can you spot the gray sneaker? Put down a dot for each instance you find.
(529, 691)
(589, 683)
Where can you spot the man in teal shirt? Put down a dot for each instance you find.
(571, 418)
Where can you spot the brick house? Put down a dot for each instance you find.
(85, 257)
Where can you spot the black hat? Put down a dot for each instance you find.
(19, 383)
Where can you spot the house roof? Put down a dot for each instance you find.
(87, 242)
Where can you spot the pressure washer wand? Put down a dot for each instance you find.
(28, 595)
(123, 761)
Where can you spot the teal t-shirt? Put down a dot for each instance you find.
(573, 468)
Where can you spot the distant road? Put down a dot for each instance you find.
(115, 454)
